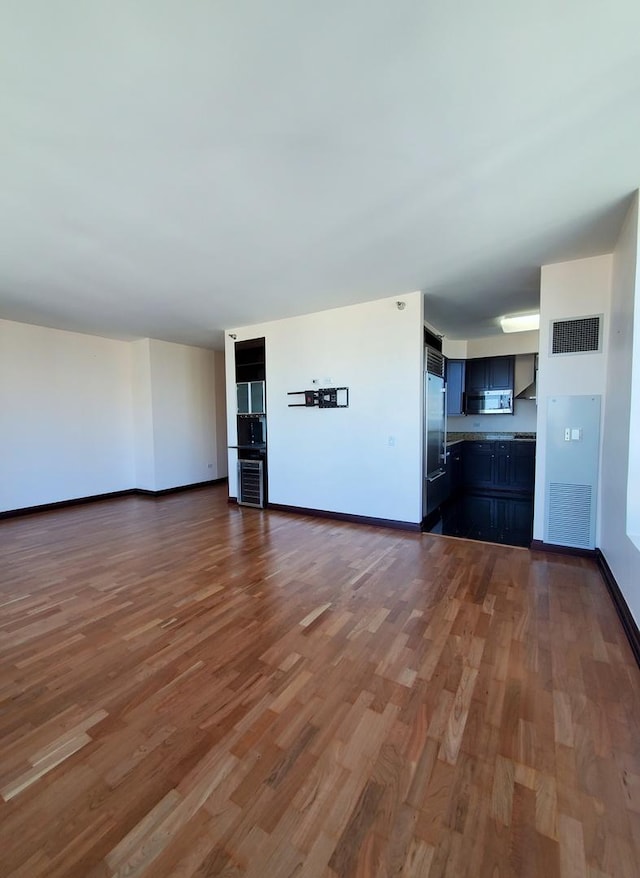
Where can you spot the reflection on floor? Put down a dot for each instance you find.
(493, 518)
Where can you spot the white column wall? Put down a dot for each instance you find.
(621, 443)
(579, 288)
(363, 460)
(145, 475)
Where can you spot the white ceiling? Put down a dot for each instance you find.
(174, 168)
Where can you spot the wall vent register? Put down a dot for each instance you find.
(579, 335)
(571, 470)
(569, 515)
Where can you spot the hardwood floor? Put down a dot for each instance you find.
(195, 689)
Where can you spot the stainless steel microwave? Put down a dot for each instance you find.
(489, 402)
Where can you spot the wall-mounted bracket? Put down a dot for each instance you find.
(323, 398)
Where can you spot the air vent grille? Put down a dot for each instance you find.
(435, 362)
(580, 335)
(569, 515)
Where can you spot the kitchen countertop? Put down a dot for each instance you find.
(454, 438)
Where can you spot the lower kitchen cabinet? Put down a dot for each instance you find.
(505, 465)
(523, 466)
(454, 466)
(490, 492)
(449, 484)
(502, 464)
(480, 514)
(478, 464)
(519, 518)
(491, 518)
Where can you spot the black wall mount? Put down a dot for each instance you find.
(323, 398)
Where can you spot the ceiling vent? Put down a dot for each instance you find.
(579, 335)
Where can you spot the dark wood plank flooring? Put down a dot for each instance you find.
(190, 688)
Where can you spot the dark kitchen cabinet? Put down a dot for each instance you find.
(490, 517)
(251, 422)
(476, 374)
(451, 483)
(523, 466)
(501, 465)
(477, 464)
(520, 519)
(480, 515)
(490, 373)
(512, 520)
(250, 360)
(250, 397)
(500, 373)
(500, 519)
(454, 465)
(455, 387)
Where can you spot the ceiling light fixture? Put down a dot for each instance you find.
(520, 323)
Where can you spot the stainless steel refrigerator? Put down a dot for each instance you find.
(435, 473)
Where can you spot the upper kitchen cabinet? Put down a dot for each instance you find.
(250, 396)
(455, 387)
(250, 375)
(250, 360)
(490, 373)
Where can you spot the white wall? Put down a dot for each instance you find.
(183, 405)
(454, 349)
(579, 288)
(621, 455)
(145, 473)
(66, 415)
(491, 345)
(633, 494)
(523, 420)
(220, 415)
(82, 415)
(340, 460)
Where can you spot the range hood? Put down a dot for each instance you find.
(525, 376)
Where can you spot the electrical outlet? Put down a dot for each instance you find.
(209, 466)
(391, 441)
